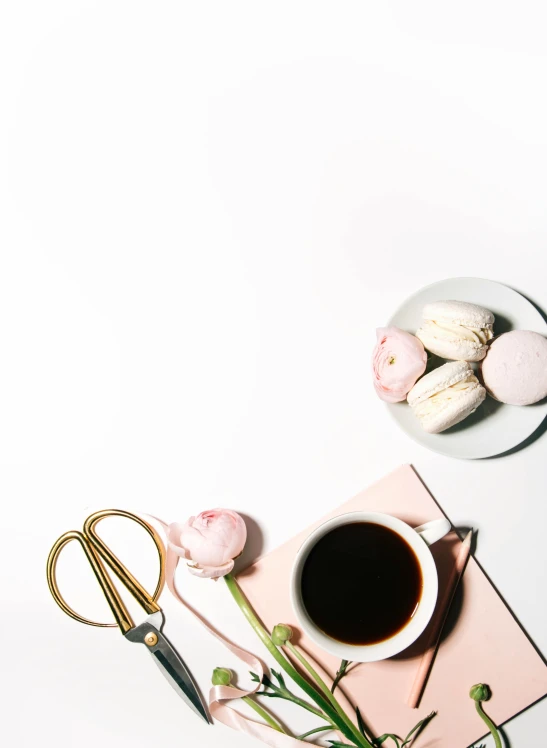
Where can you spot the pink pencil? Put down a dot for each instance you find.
(439, 618)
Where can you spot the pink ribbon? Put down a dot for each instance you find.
(219, 694)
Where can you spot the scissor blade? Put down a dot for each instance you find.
(178, 675)
(168, 661)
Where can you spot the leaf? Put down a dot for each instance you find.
(343, 666)
(267, 682)
(417, 729)
(254, 677)
(337, 744)
(360, 723)
(340, 674)
(385, 736)
(279, 678)
(361, 726)
(323, 728)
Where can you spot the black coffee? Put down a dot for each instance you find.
(361, 583)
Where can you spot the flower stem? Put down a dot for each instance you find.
(263, 713)
(284, 693)
(304, 705)
(488, 722)
(326, 690)
(331, 713)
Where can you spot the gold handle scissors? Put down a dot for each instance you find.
(147, 633)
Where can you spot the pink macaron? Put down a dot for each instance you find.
(515, 368)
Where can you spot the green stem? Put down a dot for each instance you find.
(317, 712)
(263, 635)
(284, 693)
(312, 732)
(326, 690)
(488, 722)
(264, 714)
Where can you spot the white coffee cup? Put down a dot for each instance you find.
(419, 539)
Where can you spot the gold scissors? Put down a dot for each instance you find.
(147, 633)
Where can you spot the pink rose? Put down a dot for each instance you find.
(398, 360)
(209, 542)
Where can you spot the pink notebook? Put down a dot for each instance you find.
(474, 649)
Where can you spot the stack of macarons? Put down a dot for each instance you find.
(513, 365)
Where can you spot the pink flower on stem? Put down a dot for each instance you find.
(209, 542)
(398, 360)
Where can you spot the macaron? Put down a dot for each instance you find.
(515, 368)
(456, 330)
(446, 396)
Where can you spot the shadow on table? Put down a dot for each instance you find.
(446, 556)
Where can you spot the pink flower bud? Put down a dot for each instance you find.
(209, 542)
(399, 358)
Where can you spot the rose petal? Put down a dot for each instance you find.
(211, 572)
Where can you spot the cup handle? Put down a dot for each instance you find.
(433, 531)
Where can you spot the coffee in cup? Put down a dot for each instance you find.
(364, 584)
(361, 583)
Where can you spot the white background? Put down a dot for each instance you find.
(206, 208)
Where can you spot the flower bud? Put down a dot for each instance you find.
(210, 542)
(480, 692)
(281, 634)
(221, 676)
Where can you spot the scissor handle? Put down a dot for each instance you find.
(146, 600)
(95, 548)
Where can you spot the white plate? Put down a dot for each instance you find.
(494, 428)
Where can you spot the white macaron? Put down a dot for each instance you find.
(446, 396)
(515, 368)
(456, 330)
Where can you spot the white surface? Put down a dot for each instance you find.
(206, 209)
(494, 428)
(437, 529)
